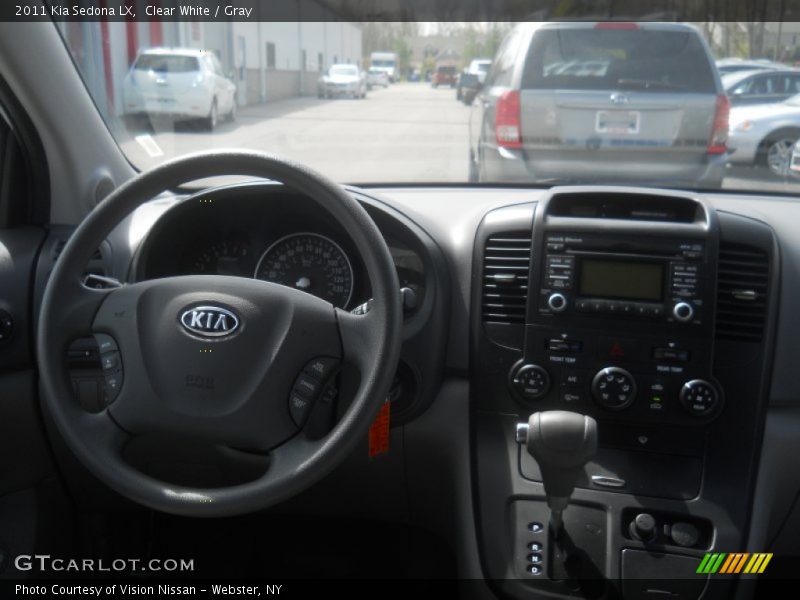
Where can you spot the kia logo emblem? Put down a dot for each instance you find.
(209, 321)
(618, 98)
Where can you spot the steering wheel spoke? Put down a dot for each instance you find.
(357, 332)
(75, 313)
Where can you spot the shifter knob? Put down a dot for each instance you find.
(562, 443)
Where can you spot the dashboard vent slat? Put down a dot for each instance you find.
(506, 262)
(742, 286)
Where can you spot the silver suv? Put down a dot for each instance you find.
(589, 102)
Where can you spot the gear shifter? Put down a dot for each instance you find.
(562, 443)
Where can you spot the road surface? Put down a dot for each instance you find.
(408, 132)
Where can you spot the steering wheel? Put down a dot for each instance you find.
(214, 358)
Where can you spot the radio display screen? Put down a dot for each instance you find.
(626, 280)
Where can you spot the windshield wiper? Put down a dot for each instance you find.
(648, 84)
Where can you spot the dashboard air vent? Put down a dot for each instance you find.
(742, 283)
(506, 263)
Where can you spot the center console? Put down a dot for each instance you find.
(638, 310)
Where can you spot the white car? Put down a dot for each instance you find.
(180, 83)
(479, 67)
(764, 135)
(377, 77)
(343, 80)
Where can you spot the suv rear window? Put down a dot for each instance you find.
(446, 70)
(602, 59)
(166, 63)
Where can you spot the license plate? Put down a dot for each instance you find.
(625, 122)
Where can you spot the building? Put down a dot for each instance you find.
(280, 60)
(267, 60)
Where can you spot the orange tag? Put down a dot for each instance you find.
(379, 432)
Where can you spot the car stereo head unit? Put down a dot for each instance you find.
(648, 279)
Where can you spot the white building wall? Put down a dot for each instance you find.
(285, 37)
(333, 43)
(313, 42)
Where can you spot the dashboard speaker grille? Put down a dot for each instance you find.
(506, 265)
(742, 284)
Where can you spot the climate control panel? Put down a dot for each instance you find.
(634, 378)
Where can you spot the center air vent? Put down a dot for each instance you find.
(506, 263)
(742, 283)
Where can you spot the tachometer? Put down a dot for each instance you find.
(224, 258)
(309, 262)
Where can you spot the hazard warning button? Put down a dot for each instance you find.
(617, 348)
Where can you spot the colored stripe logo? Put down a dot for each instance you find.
(737, 562)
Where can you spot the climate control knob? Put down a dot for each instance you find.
(614, 388)
(557, 302)
(683, 312)
(699, 398)
(529, 382)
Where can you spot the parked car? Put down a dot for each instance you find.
(480, 67)
(377, 77)
(764, 135)
(444, 75)
(343, 80)
(731, 65)
(651, 100)
(180, 83)
(467, 87)
(472, 78)
(794, 161)
(761, 86)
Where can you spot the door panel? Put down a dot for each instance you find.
(24, 454)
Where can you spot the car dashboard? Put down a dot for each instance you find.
(527, 300)
(260, 231)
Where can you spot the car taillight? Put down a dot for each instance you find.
(507, 120)
(718, 142)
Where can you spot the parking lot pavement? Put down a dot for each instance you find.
(406, 132)
(759, 179)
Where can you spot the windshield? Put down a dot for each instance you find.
(731, 79)
(573, 102)
(343, 70)
(166, 63)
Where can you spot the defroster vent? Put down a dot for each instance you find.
(506, 264)
(742, 284)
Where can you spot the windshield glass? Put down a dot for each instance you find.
(166, 63)
(572, 102)
(731, 79)
(343, 70)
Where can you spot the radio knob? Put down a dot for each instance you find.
(683, 312)
(557, 302)
(529, 381)
(699, 398)
(614, 388)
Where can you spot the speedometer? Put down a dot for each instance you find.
(309, 262)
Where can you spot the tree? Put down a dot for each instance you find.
(403, 51)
